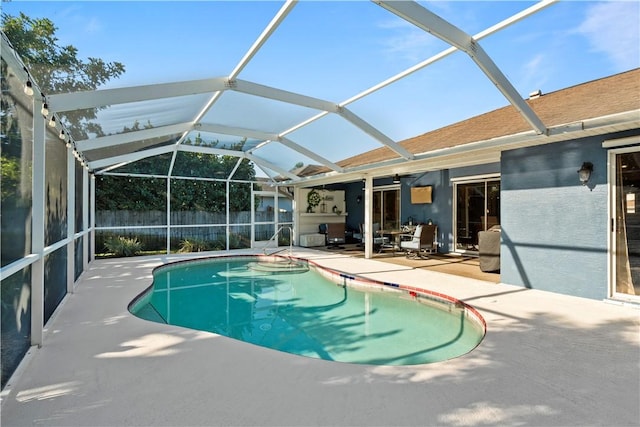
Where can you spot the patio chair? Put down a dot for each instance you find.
(378, 239)
(423, 241)
(336, 235)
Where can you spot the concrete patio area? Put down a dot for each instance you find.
(547, 359)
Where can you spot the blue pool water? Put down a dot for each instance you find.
(298, 308)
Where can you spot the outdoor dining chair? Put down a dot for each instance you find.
(423, 241)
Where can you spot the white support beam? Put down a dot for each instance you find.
(250, 133)
(104, 97)
(318, 104)
(312, 155)
(235, 168)
(375, 133)
(441, 55)
(486, 64)
(129, 137)
(86, 251)
(237, 131)
(175, 154)
(71, 219)
(261, 162)
(91, 221)
(271, 28)
(168, 212)
(368, 217)
(38, 214)
(260, 145)
(211, 150)
(426, 20)
(128, 158)
(304, 123)
(270, 174)
(269, 92)
(113, 166)
(227, 209)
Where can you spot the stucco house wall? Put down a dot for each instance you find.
(554, 229)
(439, 211)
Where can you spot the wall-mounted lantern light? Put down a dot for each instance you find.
(585, 172)
(396, 179)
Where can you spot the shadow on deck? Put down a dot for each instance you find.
(465, 266)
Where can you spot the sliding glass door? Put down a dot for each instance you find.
(625, 223)
(477, 208)
(386, 208)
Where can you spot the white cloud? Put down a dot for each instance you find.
(408, 41)
(534, 66)
(612, 28)
(535, 73)
(93, 25)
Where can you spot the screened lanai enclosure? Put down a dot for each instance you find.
(225, 161)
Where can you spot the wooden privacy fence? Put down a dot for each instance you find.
(159, 218)
(185, 225)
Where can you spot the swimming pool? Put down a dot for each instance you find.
(295, 306)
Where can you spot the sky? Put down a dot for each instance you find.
(334, 50)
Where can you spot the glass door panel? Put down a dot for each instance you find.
(391, 209)
(626, 233)
(377, 207)
(470, 211)
(386, 208)
(477, 209)
(493, 204)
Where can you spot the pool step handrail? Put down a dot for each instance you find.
(273, 238)
(276, 252)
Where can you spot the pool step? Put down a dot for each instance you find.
(276, 267)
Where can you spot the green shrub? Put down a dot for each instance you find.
(123, 246)
(219, 245)
(193, 245)
(237, 241)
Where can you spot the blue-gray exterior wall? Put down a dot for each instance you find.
(438, 211)
(355, 208)
(554, 229)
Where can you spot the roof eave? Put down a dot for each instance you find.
(485, 151)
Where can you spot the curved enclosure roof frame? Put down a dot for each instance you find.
(170, 115)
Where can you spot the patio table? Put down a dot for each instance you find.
(395, 238)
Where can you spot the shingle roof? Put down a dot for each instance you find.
(310, 170)
(610, 95)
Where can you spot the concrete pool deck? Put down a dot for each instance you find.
(547, 359)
